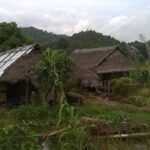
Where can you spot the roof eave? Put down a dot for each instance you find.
(116, 71)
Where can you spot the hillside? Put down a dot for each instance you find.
(86, 39)
(90, 39)
(42, 37)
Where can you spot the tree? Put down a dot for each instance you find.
(54, 70)
(147, 45)
(11, 36)
(62, 43)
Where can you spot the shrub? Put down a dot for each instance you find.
(138, 101)
(5, 118)
(36, 99)
(122, 86)
(35, 113)
(17, 138)
(72, 138)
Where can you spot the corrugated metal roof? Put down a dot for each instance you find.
(9, 57)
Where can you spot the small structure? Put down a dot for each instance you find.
(17, 78)
(105, 63)
(86, 77)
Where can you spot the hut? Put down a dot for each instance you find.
(17, 78)
(105, 62)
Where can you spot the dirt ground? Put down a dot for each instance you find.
(114, 102)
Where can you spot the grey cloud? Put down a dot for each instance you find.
(123, 20)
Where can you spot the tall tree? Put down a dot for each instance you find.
(63, 43)
(147, 45)
(11, 36)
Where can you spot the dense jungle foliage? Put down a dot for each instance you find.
(83, 39)
(87, 39)
(11, 36)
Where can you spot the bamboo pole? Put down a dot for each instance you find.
(129, 135)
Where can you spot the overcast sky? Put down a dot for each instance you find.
(122, 19)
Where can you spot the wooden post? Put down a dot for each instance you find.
(108, 87)
(27, 90)
(105, 86)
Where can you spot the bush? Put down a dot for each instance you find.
(138, 101)
(123, 86)
(35, 113)
(72, 138)
(36, 99)
(142, 74)
(5, 118)
(17, 138)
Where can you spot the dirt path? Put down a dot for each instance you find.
(107, 101)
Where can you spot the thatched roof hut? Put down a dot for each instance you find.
(102, 61)
(19, 64)
(17, 73)
(86, 76)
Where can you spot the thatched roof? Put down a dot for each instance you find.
(116, 62)
(24, 66)
(103, 60)
(87, 77)
(90, 58)
(84, 74)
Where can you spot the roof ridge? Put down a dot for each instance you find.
(107, 55)
(90, 50)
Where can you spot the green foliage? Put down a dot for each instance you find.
(122, 86)
(11, 36)
(63, 43)
(44, 38)
(141, 48)
(57, 68)
(90, 39)
(5, 118)
(17, 138)
(75, 136)
(115, 118)
(36, 99)
(138, 51)
(55, 61)
(142, 74)
(136, 75)
(107, 113)
(84, 39)
(138, 101)
(36, 114)
(54, 69)
(87, 39)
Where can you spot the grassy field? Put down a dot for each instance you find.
(115, 114)
(46, 119)
(48, 116)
